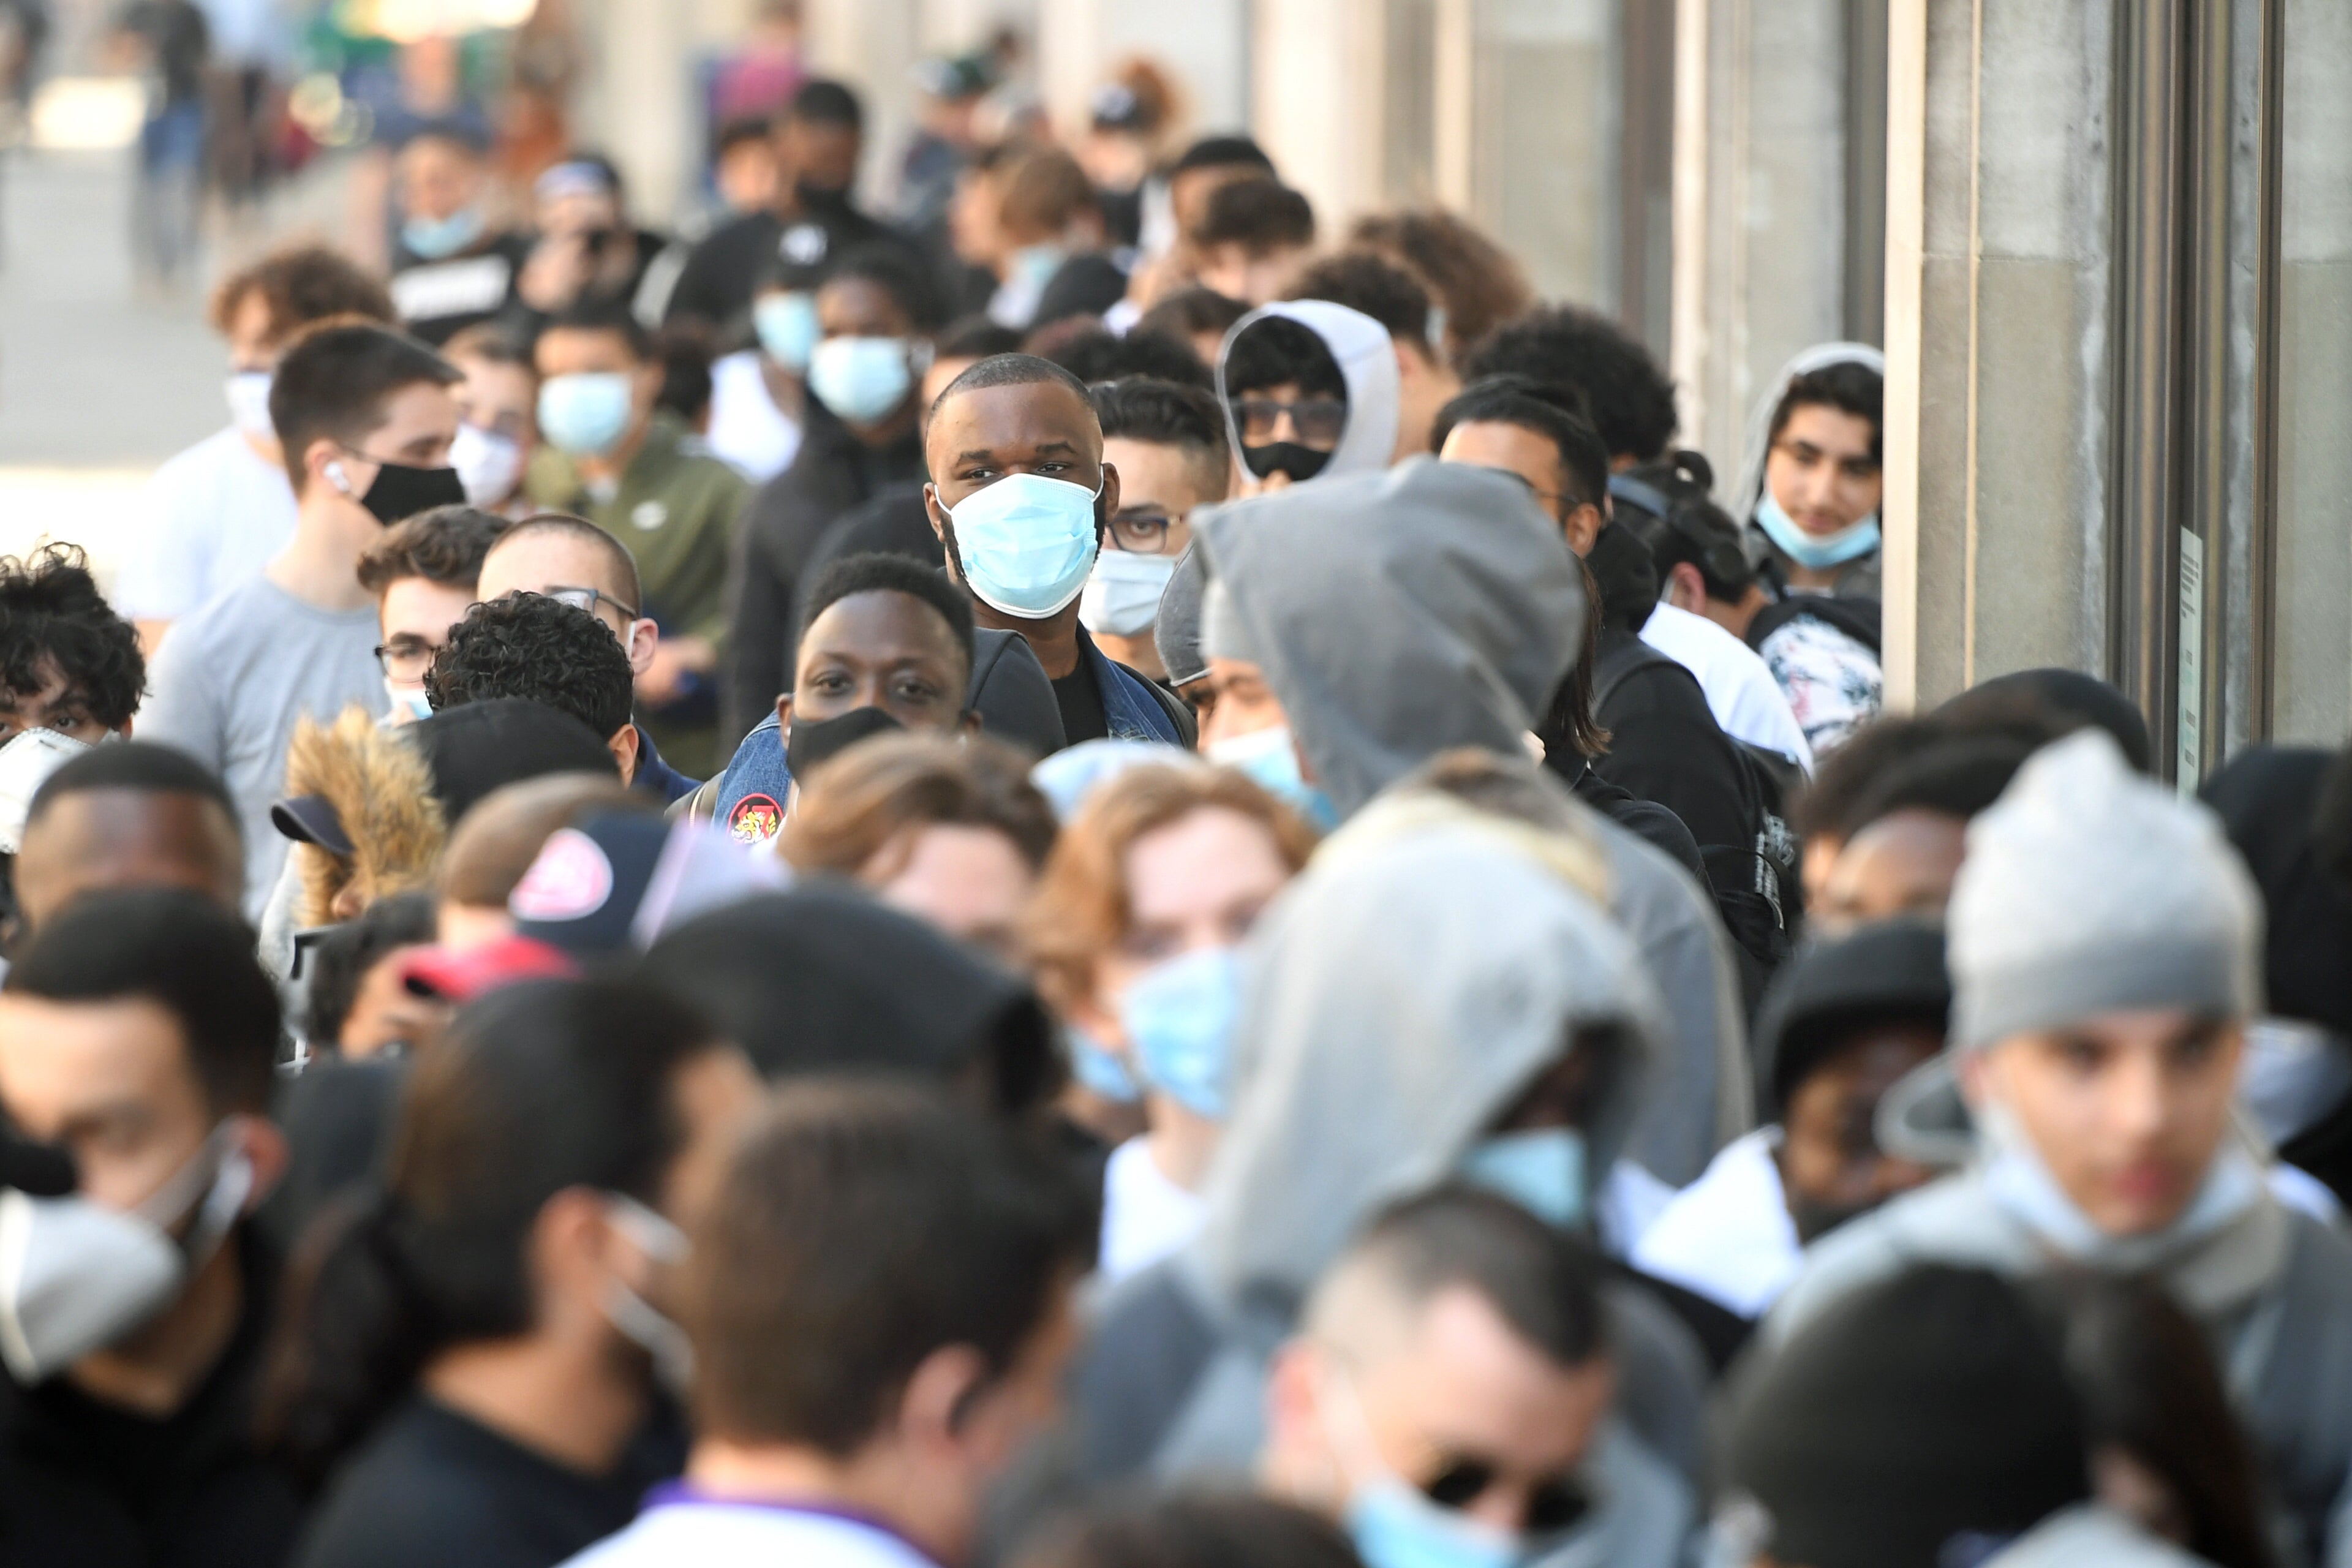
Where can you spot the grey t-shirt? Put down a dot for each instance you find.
(231, 681)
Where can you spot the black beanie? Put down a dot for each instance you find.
(1833, 986)
(1907, 1422)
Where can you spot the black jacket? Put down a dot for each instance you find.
(97, 1486)
(784, 523)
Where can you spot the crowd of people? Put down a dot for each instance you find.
(1143, 886)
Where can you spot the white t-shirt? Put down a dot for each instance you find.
(1146, 1216)
(747, 429)
(1728, 1236)
(1740, 690)
(678, 1528)
(213, 516)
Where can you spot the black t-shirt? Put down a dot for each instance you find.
(433, 1486)
(1081, 701)
(716, 284)
(97, 1486)
(436, 299)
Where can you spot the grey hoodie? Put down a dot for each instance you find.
(1400, 614)
(2089, 1536)
(1396, 1002)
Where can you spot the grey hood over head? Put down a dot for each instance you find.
(1400, 998)
(1399, 615)
(1367, 359)
(1759, 443)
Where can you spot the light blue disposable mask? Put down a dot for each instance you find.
(864, 379)
(1541, 1170)
(1179, 1017)
(787, 326)
(1096, 1069)
(1815, 552)
(586, 414)
(1026, 543)
(1270, 758)
(433, 239)
(1394, 1526)
(1033, 266)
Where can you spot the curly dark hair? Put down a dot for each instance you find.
(1633, 401)
(52, 616)
(443, 546)
(532, 646)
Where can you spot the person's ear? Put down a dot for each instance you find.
(1110, 490)
(969, 726)
(936, 511)
(567, 1252)
(1583, 526)
(1979, 1075)
(624, 748)
(1686, 589)
(645, 638)
(938, 1396)
(784, 717)
(1294, 1415)
(264, 1144)
(348, 901)
(326, 465)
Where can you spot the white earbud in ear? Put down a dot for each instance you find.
(337, 478)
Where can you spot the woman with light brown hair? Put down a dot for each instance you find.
(948, 829)
(1133, 936)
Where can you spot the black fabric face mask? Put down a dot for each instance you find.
(813, 741)
(1301, 463)
(401, 490)
(820, 199)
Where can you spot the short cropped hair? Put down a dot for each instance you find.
(1552, 412)
(1259, 215)
(334, 380)
(147, 767)
(889, 269)
(1363, 282)
(1166, 413)
(868, 1225)
(616, 554)
(1012, 370)
(494, 343)
(1096, 355)
(181, 951)
(1631, 400)
(826, 102)
(876, 572)
(300, 285)
(52, 614)
(1223, 152)
(610, 316)
(443, 546)
(1544, 1283)
(538, 648)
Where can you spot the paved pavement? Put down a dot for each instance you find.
(98, 384)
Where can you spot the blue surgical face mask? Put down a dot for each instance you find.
(787, 327)
(1270, 758)
(586, 414)
(1033, 266)
(409, 703)
(1394, 1526)
(1541, 1170)
(1815, 552)
(433, 239)
(1179, 1017)
(1026, 543)
(864, 379)
(1097, 1067)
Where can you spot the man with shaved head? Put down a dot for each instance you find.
(129, 814)
(1020, 496)
(1452, 1385)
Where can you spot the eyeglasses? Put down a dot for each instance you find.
(1142, 532)
(1554, 1504)
(585, 599)
(406, 659)
(1318, 421)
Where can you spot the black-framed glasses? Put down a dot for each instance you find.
(405, 658)
(1318, 421)
(1554, 1504)
(1142, 533)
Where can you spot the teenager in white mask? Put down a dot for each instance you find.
(1168, 443)
(498, 426)
(71, 674)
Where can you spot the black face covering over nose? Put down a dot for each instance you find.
(813, 742)
(401, 490)
(1301, 463)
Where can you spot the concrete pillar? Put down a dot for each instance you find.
(1203, 44)
(874, 46)
(1760, 204)
(1316, 101)
(1999, 340)
(637, 99)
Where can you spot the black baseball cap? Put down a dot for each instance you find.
(1884, 969)
(482, 746)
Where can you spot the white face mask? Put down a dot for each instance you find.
(76, 1276)
(488, 464)
(248, 404)
(639, 1321)
(409, 703)
(1121, 597)
(26, 764)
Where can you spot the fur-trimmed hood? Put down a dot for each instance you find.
(382, 793)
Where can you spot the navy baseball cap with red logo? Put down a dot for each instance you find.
(619, 879)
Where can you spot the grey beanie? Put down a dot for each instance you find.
(2089, 889)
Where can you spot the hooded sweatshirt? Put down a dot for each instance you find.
(1858, 578)
(2087, 890)
(1367, 359)
(1396, 1002)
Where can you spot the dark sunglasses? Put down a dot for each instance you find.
(1318, 420)
(1554, 1504)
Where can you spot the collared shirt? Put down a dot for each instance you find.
(681, 1525)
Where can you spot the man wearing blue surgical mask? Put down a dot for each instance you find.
(611, 457)
(138, 1037)
(1021, 497)
(450, 267)
(1450, 1400)
(865, 332)
(758, 394)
